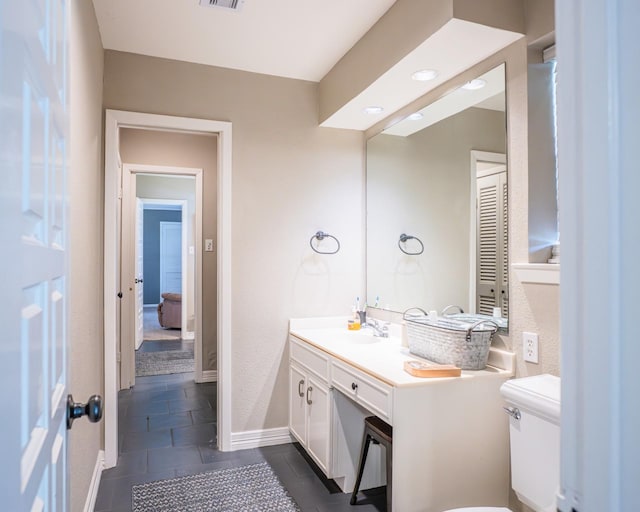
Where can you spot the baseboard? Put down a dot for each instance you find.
(260, 438)
(209, 376)
(90, 503)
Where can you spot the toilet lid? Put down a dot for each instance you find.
(479, 509)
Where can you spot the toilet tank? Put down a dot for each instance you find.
(535, 439)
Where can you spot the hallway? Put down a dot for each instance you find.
(167, 428)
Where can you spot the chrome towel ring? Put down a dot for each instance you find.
(404, 238)
(320, 235)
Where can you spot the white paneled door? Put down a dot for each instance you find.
(139, 279)
(170, 257)
(33, 349)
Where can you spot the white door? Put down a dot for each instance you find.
(297, 404)
(170, 257)
(319, 421)
(139, 279)
(33, 349)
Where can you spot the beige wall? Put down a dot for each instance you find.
(85, 241)
(420, 185)
(290, 179)
(184, 150)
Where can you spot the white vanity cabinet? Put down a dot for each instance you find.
(309, 402)
(450, 435)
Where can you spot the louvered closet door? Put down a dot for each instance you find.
(492, 272)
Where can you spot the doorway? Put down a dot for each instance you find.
(176, 308)
(221, 142)
(165, 273)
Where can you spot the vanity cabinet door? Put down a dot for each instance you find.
(297, 404)
(317, 396)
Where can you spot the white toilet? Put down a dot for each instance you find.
(534, 407)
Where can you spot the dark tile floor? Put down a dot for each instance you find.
(167, 428)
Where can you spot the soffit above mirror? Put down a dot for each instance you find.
(375, 73)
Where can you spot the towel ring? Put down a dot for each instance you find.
(404, 238)
(320, 235)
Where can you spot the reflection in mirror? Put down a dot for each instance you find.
(439, 176)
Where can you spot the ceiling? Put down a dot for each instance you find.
(455, 47)
(290, 38)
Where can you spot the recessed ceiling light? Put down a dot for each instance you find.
(424, 75)
(373, 110)
(477, 83)
(415, 116)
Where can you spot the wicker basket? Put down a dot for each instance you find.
(450, 341)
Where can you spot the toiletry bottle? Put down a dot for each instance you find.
(354, 322)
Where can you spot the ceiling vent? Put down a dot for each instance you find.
(232, 5)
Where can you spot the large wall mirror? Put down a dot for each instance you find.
(437, 204)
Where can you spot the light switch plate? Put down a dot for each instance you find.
(208, 245)
(530, 347)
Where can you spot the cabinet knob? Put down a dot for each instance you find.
(354, 386)
(300, 384)
(309, 390)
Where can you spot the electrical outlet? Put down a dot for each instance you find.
(208, 245)
(530, 347)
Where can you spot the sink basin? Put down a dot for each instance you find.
(362, 336)
(341, 336)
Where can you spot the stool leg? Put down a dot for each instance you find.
(388, 450)
(363, 458)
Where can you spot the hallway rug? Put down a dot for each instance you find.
(164, 362)
(253, 488)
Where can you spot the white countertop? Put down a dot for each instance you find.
(382, 358)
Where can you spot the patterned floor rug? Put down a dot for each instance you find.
(164, 362)
(253, 488)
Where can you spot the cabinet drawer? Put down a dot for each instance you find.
(344, 379)
(374, 395)
(310, 358)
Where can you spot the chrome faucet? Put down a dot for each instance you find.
(380, 329)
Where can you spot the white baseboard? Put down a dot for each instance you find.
(209, 376)
(90, 503)
(260, 438)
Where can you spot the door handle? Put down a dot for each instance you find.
(119, 295)
(309, 390)
(300, 384)
(136, 280)
(92, 410)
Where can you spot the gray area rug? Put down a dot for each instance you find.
(164, 362)
(253, 488)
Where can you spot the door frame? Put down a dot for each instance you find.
(477, 156)
(127, 263)
(114, 120)
(185, 227)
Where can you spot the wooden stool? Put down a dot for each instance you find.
(379, 432)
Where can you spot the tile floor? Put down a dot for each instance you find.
(167, 428)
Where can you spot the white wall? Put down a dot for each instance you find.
(85, 241)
